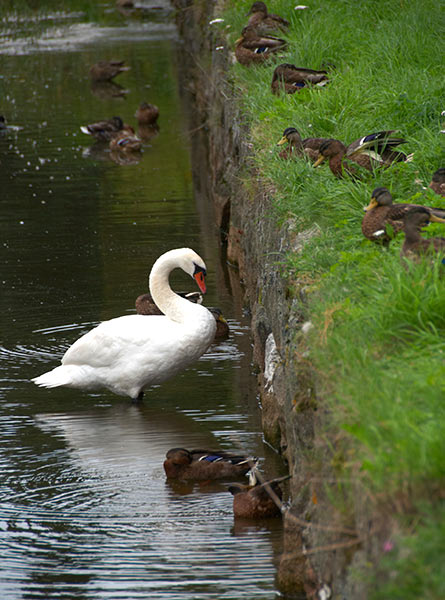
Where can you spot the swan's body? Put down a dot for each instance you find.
(130, 353)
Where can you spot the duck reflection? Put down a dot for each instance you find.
(104, 90)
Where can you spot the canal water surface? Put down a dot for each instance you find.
(85, 509)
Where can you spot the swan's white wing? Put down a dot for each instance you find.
(108, 342)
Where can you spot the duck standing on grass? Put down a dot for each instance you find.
(415, 246)
(128, 354)
(201, 465)
(383, 220)
(438, 182)
(370, 152)
(298, 147)
(254, 48)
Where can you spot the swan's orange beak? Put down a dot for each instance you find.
(200, 280)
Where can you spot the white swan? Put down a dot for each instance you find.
(128, 354)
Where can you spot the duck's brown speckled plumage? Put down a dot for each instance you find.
(438, 182)
(254, 48)
(258, 501)
(370, 152)
(415, 246)
(290, 79)
(265, 21)
(106, 130)
(105, 70)
(145, 306)
(200, 465)
(147, 114)
(383, 220)
(296, 146)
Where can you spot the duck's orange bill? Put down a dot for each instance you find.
(200, 280)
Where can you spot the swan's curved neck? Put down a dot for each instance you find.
(172, 305)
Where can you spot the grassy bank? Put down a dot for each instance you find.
(378, 340)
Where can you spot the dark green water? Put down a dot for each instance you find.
(85, 511)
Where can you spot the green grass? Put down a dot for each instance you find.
(378, 344)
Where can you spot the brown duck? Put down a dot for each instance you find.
(383, 220)
(438, 182)
(265, 21)
(200, 465)
(126, 141)
(257, 500)
(105, 70)
(254, 48)
(290, 79)
(370, 152)
(145, 306)
(106, 130)
(147, 114)
(415, 245)
(299, 147)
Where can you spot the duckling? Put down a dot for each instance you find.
(298, 147)
(414, 245)
(201, 465)
(438, 182)
(105, 130)
(290, 79)
(147, 114)
(126, 141)
(253, 48)
(105, 70)
(257, 500)
(265, 21)
(383, 220)
(370, 152)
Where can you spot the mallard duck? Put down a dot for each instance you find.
(147, 114)
(438, 182)
(126, 141)
(257, 500)
(415, 245)
(383, 220)
(290, 79)
(253, 48)
(370, 152)
(201, 465)
(105, 70)
(106, 130)
(298, 147)
(130, 353)
(222, 327)
(145, 306)
(265, 21)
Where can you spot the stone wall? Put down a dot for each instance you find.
(320, 542)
